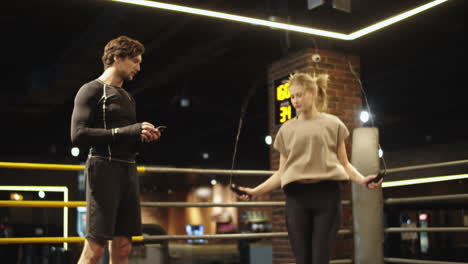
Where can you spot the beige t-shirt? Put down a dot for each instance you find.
(311, 149)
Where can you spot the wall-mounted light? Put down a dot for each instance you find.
(364, 116)
(75, 152)
(184, 102)
(41, 194)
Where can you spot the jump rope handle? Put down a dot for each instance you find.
(236, 189)
(377, 179)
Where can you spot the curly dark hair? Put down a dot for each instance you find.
(122, 47)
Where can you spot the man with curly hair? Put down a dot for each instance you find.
(104, 119)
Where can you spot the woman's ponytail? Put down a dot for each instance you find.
(322, 96)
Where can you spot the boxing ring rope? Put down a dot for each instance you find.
(155, 169)
(41, 166)
(425, 229)
(51, 240)
(428, 166)
(148, 239)
(73, 204)
(417, 261)
(233, 204)
(43, 204)
(148, 204)
(141, 169)
(425, 199)
(388, 201)
(154, 238)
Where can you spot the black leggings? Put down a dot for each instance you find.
(313, 217)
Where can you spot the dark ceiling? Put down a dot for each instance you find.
(413, 73)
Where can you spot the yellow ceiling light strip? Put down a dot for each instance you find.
(424, 180)
(307, 30)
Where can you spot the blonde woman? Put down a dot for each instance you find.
(312, 160)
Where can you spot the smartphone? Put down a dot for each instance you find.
(161, 128)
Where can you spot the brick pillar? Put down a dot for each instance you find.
(344, 102)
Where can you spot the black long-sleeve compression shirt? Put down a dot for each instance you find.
(104, 119)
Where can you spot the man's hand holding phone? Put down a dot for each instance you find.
(149, 133)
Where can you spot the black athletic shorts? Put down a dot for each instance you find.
(112, 199)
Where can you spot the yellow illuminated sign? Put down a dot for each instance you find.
(285, 113)
(283, 108)
(282, 92)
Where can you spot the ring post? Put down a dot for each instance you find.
(367, 203)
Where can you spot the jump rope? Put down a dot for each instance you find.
(251, 92)
(383, 173)
(245, 103)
